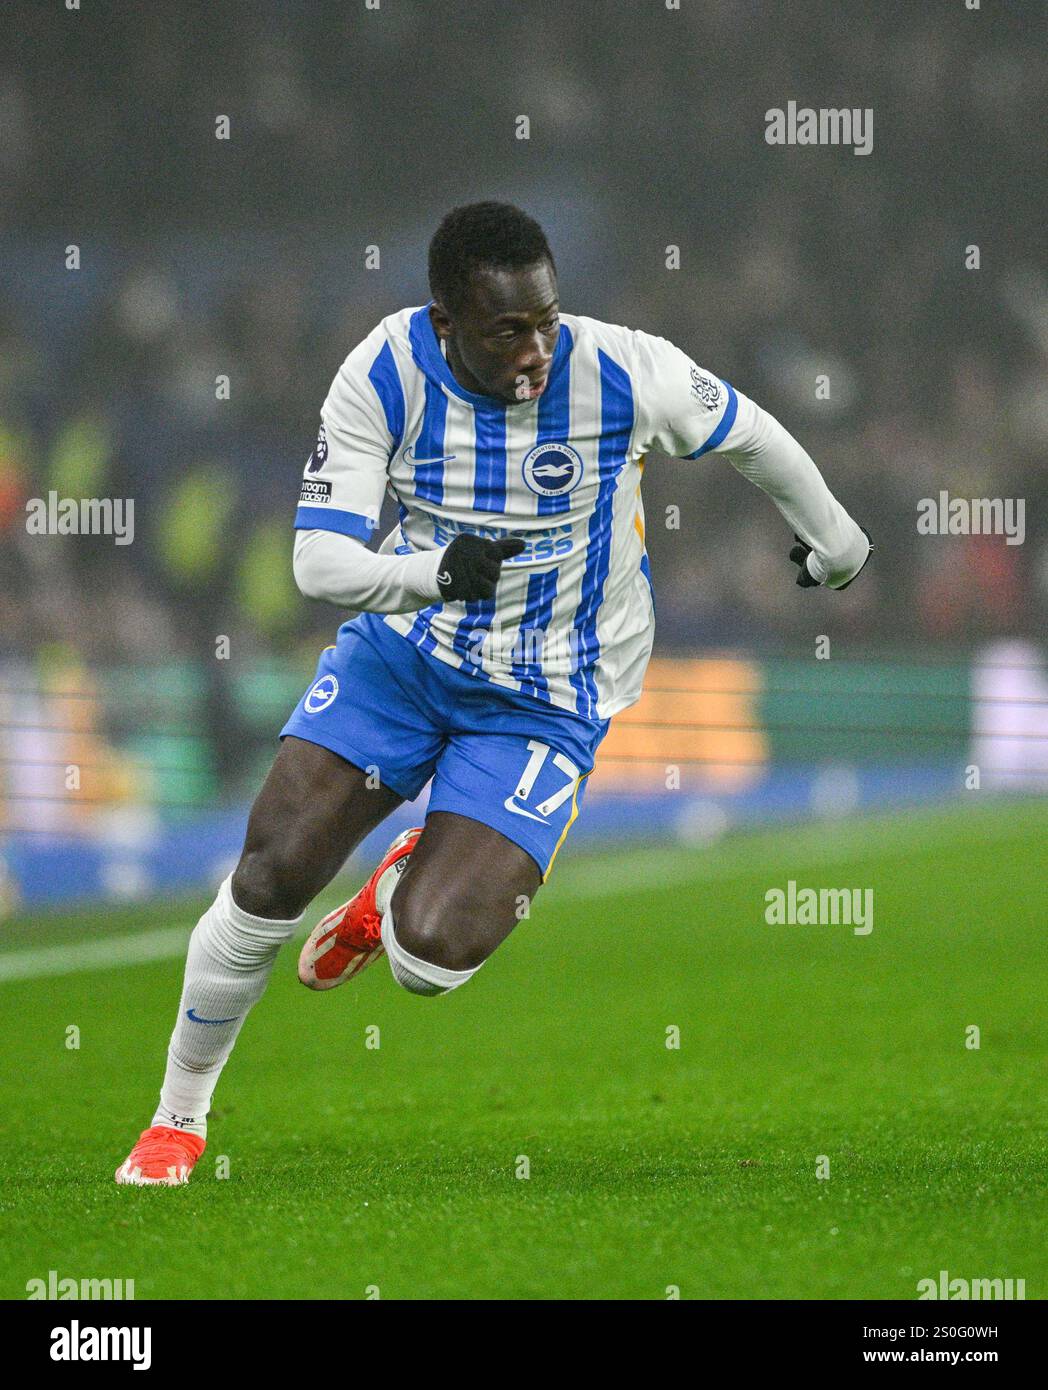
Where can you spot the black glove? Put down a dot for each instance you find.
(470, 567)
(799, 555)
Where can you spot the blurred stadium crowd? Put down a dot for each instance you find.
(244, 258)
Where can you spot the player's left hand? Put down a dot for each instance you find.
(799, 555)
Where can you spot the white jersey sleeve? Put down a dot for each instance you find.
(339, 569)
(686, 412)
(346, 475)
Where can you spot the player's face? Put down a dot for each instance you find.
(501, 341)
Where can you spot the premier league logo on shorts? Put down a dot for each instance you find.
(552, 470)
(320, 694)
(318, 457)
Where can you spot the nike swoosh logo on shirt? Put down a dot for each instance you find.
(412, 461)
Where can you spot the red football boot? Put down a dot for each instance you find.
(350, 938)
(163, 1157)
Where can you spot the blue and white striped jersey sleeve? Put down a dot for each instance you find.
(361, 422)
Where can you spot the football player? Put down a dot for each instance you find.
(504, 621)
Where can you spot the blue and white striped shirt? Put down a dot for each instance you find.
(572, 620)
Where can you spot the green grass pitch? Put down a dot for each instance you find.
(650, 1168)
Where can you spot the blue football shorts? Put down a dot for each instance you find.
(509, 760)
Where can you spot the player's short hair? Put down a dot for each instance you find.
(482, 234)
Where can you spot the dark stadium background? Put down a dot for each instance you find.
(711, 1105)
(353, 128)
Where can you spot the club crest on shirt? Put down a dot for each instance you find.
(318, 457)
(552, 469)
(705, 389)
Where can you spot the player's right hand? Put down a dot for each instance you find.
(470, 566)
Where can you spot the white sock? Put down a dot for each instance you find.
(418, 976)
(231, 954)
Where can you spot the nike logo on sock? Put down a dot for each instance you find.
(193, 1017)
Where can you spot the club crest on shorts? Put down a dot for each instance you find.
(318, 457)
(552, 469)
(320, 694)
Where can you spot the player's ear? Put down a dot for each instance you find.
(440, 319)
